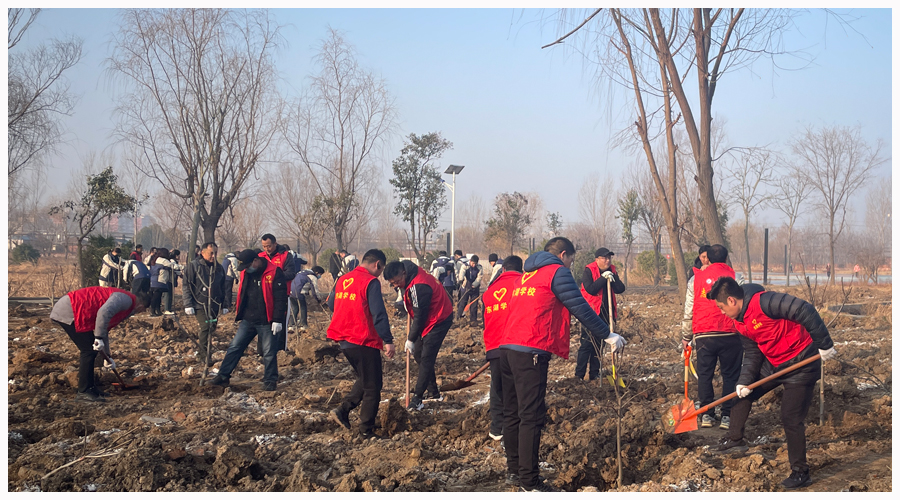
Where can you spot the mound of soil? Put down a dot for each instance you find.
(171, 434)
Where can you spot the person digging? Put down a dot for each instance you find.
(777, 330)
(87, 315)
(360, 325)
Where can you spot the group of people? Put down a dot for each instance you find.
(749, 332)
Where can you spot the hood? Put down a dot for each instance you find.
(538, 260)
(750, 289)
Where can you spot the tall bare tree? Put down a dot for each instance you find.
(200, 101)
(596, 208)
(836, 161)
(791, 192)
(751, 173)
(337, 127)
(878, 213)
(303, 215)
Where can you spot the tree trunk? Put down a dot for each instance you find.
(747, 247)
(209, 231)
(625, 271)
(787, 265)
(78, 255)
(831, 250)
(339, 238)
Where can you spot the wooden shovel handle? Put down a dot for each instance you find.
(479, 371)
(408, 323)
(752, 386)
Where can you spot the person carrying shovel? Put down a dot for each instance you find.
(777, 330)
(87, 315)
(594, 289)
(360, 325)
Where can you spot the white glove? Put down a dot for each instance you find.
(743, 391)
(409, 346)
(615, 340)
(109, 363)
(609, 276)
(99, 344)
(224, 310)
(189, 311)
(276, 327)
(826, 355)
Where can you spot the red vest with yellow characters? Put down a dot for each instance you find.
(87, 301)
(707, 317)
(779, 339)
(496, 307)
(352, 320)
(440, 309)
(540, 321)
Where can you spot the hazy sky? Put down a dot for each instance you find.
(521, 117)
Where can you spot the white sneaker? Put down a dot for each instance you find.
(495, 437)
(706, 421)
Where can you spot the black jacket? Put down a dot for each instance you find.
(197, 283)
(279, 296)
(598, 287)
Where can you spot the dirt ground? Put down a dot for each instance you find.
(170, 434)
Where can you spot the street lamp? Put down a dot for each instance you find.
(453, 170)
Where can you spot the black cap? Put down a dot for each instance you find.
(245, 257)
(602, 252)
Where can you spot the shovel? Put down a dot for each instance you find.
(408, 321)
(466, 309)
(121, 383)
(676, 420)
(462, 384)
(686, 404)
(614, 378)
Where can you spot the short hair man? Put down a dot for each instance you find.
(431, 315)
(538, 328)
(496, 311)
(206, 295)
(496, 267)
(777, 330)
(360, 324)
(348, 262)
(138, 274)
(714, 336)
(471, 289)
(110, 268)
(594, 289)
(137, 253)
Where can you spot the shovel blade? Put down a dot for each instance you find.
(455, 386)
(679, 419)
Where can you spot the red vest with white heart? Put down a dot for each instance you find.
(707, 317)
(352, 321)
(496, 307)
(779, 339)
(87, 301)
(266, 284)
(596, 301)
(540, 319)
(440, 309)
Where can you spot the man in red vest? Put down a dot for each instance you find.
(714, 336)
(281, 256)
(537, 328)
(87, 315)
(777, 330)
(594, 290)
(261, 308)
(431, 313)
(360, 324)
(496, 311)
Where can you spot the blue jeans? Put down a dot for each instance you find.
(242, 338)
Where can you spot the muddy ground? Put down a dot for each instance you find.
(173, 435)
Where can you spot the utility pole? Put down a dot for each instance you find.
(766, 258)
(453, 170)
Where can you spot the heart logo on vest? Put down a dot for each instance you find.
(499, 294)
(528, 276)
(348, 282)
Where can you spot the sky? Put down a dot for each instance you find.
(522, 118)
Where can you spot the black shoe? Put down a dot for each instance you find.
(219, 381)
(433, 396)
(542, 486)
(415, 403)
(797, 479)
(340, 417)
(513, 479)
(729, 446)
(90, 395)
(369, 435)
(268, 386)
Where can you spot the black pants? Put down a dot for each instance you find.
(156, 299)
(524, 410)
(799, 387)
(729, 353)
(300, 310)
(468, 295)
(207, 328)
(425, 352)
(140, 285)
(496, 405)
(587, 359)
(366, 391)
(85, 343)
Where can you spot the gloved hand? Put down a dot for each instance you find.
(276, 327)
(99, 344)
(743, 391)
(189, 311)
(409, 346)
(109, 363)
(608, 275)
(615, 340)
(827, 354)
(224, 310)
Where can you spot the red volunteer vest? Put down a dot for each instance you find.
(779, 339)
(541, 321)
(87, 301)
(277, 259)
(440, 309)
(267, 277)
(352, 321)
(707, 317)
(496, 307)
(596, 301)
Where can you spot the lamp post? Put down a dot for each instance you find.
(452, 170)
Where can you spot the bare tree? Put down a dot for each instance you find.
(245, 223)
(836, 161)
(173, 214)
(303, 215)
(336, 128)
(596, 208)
(200, 101)
(136, 183)
(751, 173)
(791, 192)
(878, 226)
(38, 93)
(470, 224)
(651, 216)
